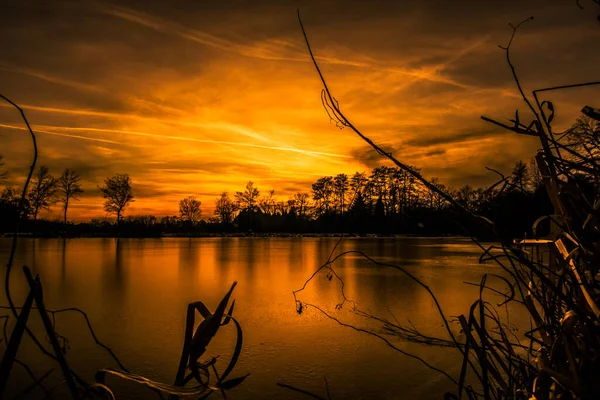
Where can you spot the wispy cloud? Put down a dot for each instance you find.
(277, 49)
(37, 130)
(230, 127)
(183, 138)
(53, 79)
(271, 52)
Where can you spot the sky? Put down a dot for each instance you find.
(194, 98)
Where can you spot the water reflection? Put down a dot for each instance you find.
(114, 255)
(186, 262)
(63, 263)
(33, 251)
(137, 291)
(226, 254)
(119, 258)
(250, 253)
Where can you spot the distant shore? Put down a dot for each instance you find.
(231, 235)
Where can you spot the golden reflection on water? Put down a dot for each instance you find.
(135, 292)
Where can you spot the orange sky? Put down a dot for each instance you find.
(197, 98)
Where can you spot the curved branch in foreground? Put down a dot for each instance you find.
(21, 204)
(13, 248)
(541, 133)
(333, 105)
(90, 328)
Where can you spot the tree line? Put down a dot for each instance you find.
(385, 200)
(46, 190)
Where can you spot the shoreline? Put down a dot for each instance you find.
(29, 235)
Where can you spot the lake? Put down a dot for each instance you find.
(136, 291)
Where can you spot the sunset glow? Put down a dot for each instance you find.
(194, 99)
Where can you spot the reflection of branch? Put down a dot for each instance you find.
(305, 392)
(89, 325)
(36, 381)
(326, 265)
(408, 334)
(386, 341)
(382, 264)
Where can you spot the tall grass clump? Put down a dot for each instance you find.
(202, 373)
(560, 356)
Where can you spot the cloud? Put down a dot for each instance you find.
(52, 79)
(269, 51)
(202, 97)
(457, 137)
(36, 130)
(182, 138)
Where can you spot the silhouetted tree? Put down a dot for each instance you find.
(68, 187)
(440, 202)
(11, 195)
(359, 206)
(535, 176)
(359, 213)
(410, 190)
(280, 208)
(291, 208)
(585, 132)
(465, 196)
(248, 198)
(118, 194)
(584, 138)
(341, 186)
(140, 226)
(267, 203)
(189, 209)
(431, 196)
(520, 176)
(301, 204)
(9, 207)
(369, 194)
(170, 221)
(322, 194)
(357, 183)
(42, 192)
(379, 214)
(225, 209)
(379, 181)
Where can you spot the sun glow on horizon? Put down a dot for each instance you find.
(194, 102)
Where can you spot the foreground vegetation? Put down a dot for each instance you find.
(555, 281)
(557, 358)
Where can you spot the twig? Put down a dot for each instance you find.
(305, 392)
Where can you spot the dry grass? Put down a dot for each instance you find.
(191, 367)
(561, 357)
